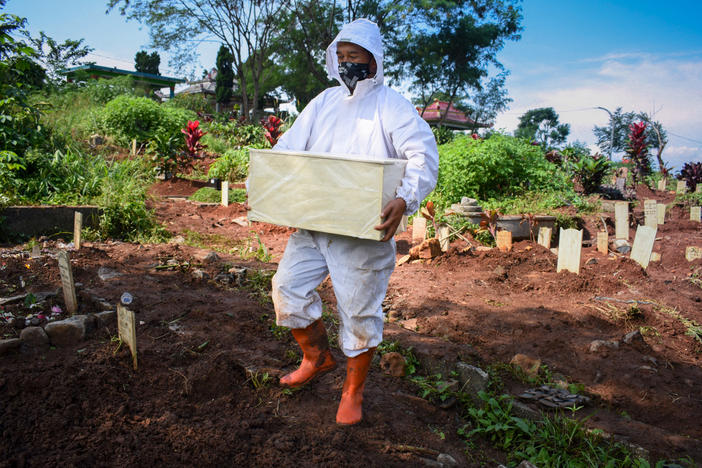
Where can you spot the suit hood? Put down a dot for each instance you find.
(362, 32)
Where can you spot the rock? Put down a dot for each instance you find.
(35, 321)
(472, 379)
(34, 339)
(465, 201)
(393, 364)
(71, 330)
(483, 248)
(106, 318)
(655, 257)
(404, 259)
(177, 240)
(526, 464)
(499, 273)
(211, 257)
(240, 274)
(633, 338)
(104, 305)
(96, 140)
(106, 274)
(527, 364)
(394, 315)
(224, 278)
(592, 261)
(445, 459)
(524, 411)
(430, 248)
(18, 323)
(200, 274)
(597, 346)
(10, 345)
(621, 246)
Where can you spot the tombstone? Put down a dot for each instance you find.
(695, 213)
(620, 184)
(621, 220)
(126, 325)
(419, 229)
(225, 193)
(36, 251)
(643, 245)
(443, 233)
(570, 244)
(544, 238)
(68, 286)
(602, 243)
(693, 253)
(660, 208)
(650, 213)
(698, 188)
(77, 229)
(662, 184)
(681, 187)
(504, 240)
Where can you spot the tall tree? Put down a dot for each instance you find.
(56, 56)
(245, 27)
(489, 101)
(147, 63)
(541, 125)
(225, 76)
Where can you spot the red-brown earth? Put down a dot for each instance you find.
(205, 392)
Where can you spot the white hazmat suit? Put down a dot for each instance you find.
(373, 122)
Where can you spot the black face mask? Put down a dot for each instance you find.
(351, 73)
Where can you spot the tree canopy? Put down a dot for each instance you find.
(57, 56)
(541, 125)
(225, 75)
(147, 63)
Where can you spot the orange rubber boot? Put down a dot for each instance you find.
(316, 358)
(351, 406)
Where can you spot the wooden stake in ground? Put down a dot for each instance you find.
(681, 187)
(695, 213)
(660, 208)
(504, 240)
(68, 286)
(602, 243)
(225, 193)
(570, 244)
(443, 233)
(126, 324)
(643, 245)
(134, 147)
(621, 220)
(662, 184)
(77, 229)
(419, 229)
(650, 213)
(545, 237)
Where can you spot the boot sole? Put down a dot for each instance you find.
(319, 373)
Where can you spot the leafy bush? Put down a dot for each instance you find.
(691, 173)
(129, 117)
(443, 135)
(192, 102)
(239, 134)
(495, 167)
(233, 165)
(589, 171)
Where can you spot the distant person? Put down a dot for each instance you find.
(366, 118)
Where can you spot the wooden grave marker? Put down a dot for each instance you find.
(126, 324)
(225, 193)
(602, 243)
(650, 213)
(696, 213)
(693, 253)
(662, 184)
(68, 286)
(570, 244)
(77, 229)
(643, 245)
(419, 229)
(660, 211)
(504, 240)
(443, 233)
(621, 220)
(545, 237)
(681, 187)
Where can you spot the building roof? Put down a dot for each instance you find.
(108, 72)
(455, 118)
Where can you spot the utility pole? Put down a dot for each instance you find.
(611, 124)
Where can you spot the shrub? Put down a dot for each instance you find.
(589, 171)
(495, 167)
(239, 134)
(443, 135)
(197, 103)
(691, 173)
(233, 165)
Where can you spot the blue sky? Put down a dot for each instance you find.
(573, 56)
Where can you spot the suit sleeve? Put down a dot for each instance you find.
(297, 137)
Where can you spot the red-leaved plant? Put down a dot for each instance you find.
(272, 127)
(192, 138)
(638, 151)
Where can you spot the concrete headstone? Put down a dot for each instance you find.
(544, 238)
(621, 220)
(602, 243)
(643, 245)
(662, 184)
(225, 193)
(695, 213)
(419, 229)
(570, 246)
(650, 213)
(681, 187)
(660, 211)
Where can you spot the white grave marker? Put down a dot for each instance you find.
(545, 237)
(682, 187)
(77, 229)
(662, 184)
(504, 240)
(69, 287)
(660, 207)
(695, 213)
(621, 220)
(698, 188)
(570, 244)
(650, 213)
(36, 252)
(225, 193)
(602, 243)
(443, 233)
(127, 330)
(620, 183)
(643, 245)
(419, 229)
(693, 253)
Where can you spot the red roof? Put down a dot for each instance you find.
(455, 117)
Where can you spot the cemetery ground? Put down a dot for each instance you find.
(209, 353)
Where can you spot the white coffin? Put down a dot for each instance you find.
(322, 192)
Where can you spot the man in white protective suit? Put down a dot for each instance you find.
(363, 117)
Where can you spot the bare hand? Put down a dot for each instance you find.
(392, 214)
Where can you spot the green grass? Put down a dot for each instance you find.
(211, 195)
